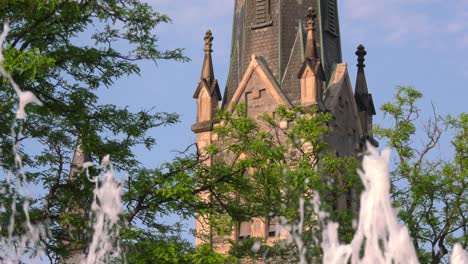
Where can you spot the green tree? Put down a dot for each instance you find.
(430, 190)
(272, 167)
(65, 52)
(263, 167)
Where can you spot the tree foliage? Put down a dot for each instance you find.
(65, 52)
(430, 189)
(263, 167)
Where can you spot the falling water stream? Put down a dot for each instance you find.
(15, 248)
(379, 234)
(106, 207)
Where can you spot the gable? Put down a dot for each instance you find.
(211, 86)
(258, 88)
(339, 93)
(257, 98)
(339, 99)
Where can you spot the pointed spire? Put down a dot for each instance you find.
(312, 86)
(363, 99)
(364, 102)
(361, 84)
(311, 47)
(361, 93)
(207, 102)
(207, 73)
(207, 70)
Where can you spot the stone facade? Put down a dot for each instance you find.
(281, 57)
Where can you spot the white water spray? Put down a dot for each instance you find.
(26, 244)
(379, 238)
(106, 208)
(459, 256)
(379, 235)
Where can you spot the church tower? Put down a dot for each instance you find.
(274, 29)
(286, 52)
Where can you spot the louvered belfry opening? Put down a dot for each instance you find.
(331, 18)
(262, 12)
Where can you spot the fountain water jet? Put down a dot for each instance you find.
(380, 237)
(379, 234)
(15, 247)
(106, 208)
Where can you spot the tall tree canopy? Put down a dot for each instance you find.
(64, 51)
(430, 188)
(262, 169)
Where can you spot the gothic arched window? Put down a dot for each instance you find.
(262, 14)
(244, 230)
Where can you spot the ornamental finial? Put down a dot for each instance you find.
(311, 14)
(208, 41)
(207, 70)
(361, 53)
(311, 47)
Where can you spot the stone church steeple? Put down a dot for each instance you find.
(274, 30)
(207, 92)
(284, 52)
(364, 102)
(363, 98)
(311, 73)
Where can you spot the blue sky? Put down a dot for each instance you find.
(423, 43)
